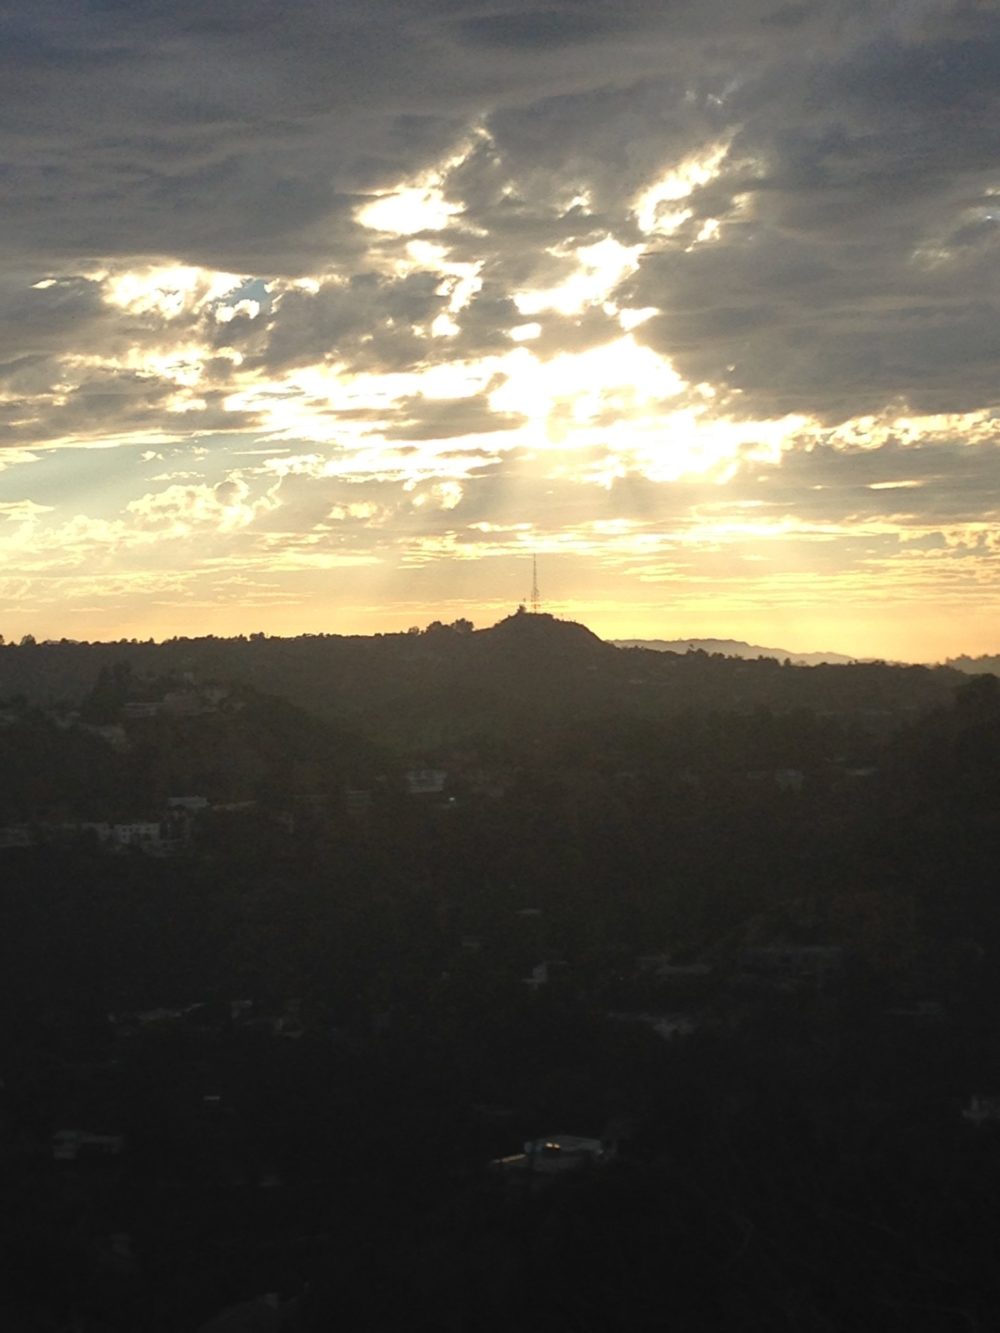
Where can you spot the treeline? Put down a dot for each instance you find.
(257, 748)
(801, 1161)
(526, 677)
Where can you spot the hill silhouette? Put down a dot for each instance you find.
(307, 1022)
(525, 677)
(251, 747)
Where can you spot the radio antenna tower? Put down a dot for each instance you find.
(535, 601)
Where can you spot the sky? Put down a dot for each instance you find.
(328, 317)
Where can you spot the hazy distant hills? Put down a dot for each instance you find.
(975, 666)
(970, 666)
(734, 648)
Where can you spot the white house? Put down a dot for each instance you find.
(16, 835)
(192, 804)
(136, 709)
(555, 1154)
(426, 781)
(68, 1145)
(982, 1110)
(145, 835)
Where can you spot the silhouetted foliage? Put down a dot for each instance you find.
(317, 1020)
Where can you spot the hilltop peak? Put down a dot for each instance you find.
(539, 628)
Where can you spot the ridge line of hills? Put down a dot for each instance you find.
(739, 648)
(985, 663)
(509, 686)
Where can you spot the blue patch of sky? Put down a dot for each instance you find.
(101, 482)
(253, 289)
(74, 480)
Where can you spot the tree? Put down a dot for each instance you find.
(111, 689)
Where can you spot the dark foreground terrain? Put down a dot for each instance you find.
(299, 938)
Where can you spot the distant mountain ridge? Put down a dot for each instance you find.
(985, 664)
(734, 648)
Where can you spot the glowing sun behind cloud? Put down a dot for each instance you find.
(407, 295)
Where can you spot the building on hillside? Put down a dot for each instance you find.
(136, 710)
(152, 837)
(790, 966)
(785, 779)
(489, 783)
(982, 1111)
(112, 732)
(426, 781)
(358, 801)
(921, 1013)
(185, 703)
(16, 835)
(189, 804)
(71, 1145)
(658, 965)
(669, 1026)
(553, 1155)
(542, 974)
(145, 835)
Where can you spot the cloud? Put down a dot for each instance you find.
(939, 481)
(242, 140)
(419, 418)
(365, 320)
(51, 316)
(856, 253)
(853, 258)
(111, 404)
(611, 278)
(539, 29)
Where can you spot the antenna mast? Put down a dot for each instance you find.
(535, 601)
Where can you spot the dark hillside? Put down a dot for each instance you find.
(505, 685)
(737, 920)
(253, 747)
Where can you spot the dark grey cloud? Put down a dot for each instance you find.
(42, 321)
(235, 139)
(856, 262)
(420, 418)
(366, 320)
(487, 320)
(112, 403)
(856, 256)
(45, 324)
(538, 29)
(836, 329)
(240, 135)
(938, 481)
(946, 73)
(417, 417)
(572, 333)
